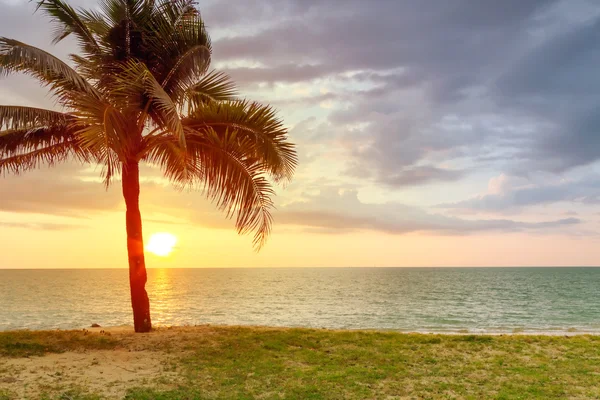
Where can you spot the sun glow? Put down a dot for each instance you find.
(161, 244)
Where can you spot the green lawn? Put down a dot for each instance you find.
(257, 363)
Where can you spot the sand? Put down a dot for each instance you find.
(106, 372)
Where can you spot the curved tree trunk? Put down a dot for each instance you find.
(135, 248)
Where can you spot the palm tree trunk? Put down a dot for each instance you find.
(135, 248)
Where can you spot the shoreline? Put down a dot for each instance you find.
(459, 332)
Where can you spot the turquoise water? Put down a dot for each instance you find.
(494, 300)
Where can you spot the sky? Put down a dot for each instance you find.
(459, 133)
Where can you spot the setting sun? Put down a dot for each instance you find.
(161, 244)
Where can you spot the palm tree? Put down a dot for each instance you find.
(141, 91)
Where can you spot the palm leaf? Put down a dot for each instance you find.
(105, 132)
(16, 56)
(191, 63)
(96, 23)
(137, 83)
(175, 162)
(19, 117)
(87, 67)
(255, 122)
(214, 86)
(180, 43)
(25, 149)
(49, 155)
(68, 21)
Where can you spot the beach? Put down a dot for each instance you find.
(219, 362)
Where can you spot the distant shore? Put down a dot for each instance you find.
(251, 362)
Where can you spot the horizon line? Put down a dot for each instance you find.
(314, 267)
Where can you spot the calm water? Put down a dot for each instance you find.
(408, 299)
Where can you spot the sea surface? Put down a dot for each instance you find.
(457, 300)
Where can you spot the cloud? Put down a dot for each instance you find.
(353, 35)
(39, 226)
(339, 211)
(557, 85)
(287, 73)
(411, 176)
(502, 196)
(519, 76)
(62, 190)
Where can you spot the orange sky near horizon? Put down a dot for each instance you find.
(101, 244)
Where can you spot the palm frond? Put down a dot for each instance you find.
(25, 149)
(16, 56)
(68, 21)
(114, 11)
(87, 68)
(137, 82)
(19, 117)
(104, 131)
(96, 23)
(13, 141)
(214, 86)
(180, 44)
(137, 11)
(49, 156)
(230, 177)
(266, 136)
(192, 62)
(176, 163)
(176, 9)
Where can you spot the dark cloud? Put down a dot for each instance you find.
(557, 85)
(354, 34)
(501, 61)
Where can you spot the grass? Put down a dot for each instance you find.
(36, 343)
(251, 363)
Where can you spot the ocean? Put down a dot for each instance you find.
(445, 300)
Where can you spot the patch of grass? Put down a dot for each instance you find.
(175, 394)
(73, 394)
(6, 395)
(474, 338)
(249, 363)
(316, 364)
(37, 343)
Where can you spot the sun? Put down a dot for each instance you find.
(161, 244)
